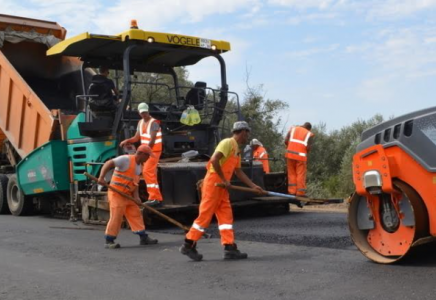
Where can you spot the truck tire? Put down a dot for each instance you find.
(19, 204)
(4, 209)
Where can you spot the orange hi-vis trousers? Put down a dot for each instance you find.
(215, 201)
(296, 177)
(119, 207)
(149, 172)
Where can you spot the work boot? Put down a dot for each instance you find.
(153, 203)
(189, 249)
(231, 252)
(146, 240)
(112, 245)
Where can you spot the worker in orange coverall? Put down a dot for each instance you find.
(125, 179)
(298, 145)
(260, 154)
(149, 132)
(225, 161)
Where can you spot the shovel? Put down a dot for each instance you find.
(267, 193)
(150, 209)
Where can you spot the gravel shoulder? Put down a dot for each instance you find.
(340, 208)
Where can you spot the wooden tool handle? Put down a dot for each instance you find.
(240, 188)
(251, 190)
(151, 209)
(170, 159)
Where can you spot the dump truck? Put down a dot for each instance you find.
(51, 134)
(27, 123)
(393, 208)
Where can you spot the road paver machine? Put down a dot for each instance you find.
(51, 134)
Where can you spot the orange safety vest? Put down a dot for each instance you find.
(126, 181)
(261, 153)
(297, 144)
(144, 132)
(229, 166)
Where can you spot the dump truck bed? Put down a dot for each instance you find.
(32, 85)
(2, 138)
(24, 119)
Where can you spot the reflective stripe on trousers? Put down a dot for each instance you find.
(149, 172)
(214, 201)
(198, 227)
(156, 186)
(225, 227)
(296, 153)
(296, 174)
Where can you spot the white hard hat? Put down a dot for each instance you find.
(240, 125)
(255, 142)
(143, 107)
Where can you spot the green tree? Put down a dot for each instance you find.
(330, 159)
(158, 88)
(355, 131)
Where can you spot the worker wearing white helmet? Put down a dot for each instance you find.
(149, 133)
(260, 154)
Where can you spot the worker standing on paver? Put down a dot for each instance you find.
(125, 179)
(260, 154)
(149, 132)
(225, 161)
(298, 145)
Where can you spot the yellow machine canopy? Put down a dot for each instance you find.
(152, 51)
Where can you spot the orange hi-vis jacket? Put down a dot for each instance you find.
(127, 181)
(262, 155)
(229, 166)
(145, 134)
(297, 144)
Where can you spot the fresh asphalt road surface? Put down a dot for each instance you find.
(301, 255)
(299, 227)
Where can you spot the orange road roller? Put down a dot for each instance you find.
(393, 208)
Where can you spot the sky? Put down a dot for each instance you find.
(332, 61)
